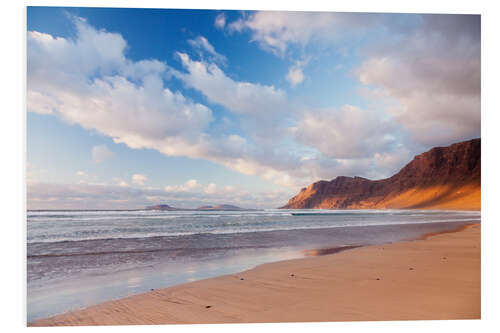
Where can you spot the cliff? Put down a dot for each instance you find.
(441, 178)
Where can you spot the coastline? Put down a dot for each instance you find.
(434, 277)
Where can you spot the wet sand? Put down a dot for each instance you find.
(436, 277)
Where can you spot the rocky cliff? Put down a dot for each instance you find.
(441, 178)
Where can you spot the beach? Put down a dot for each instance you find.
(435, 277)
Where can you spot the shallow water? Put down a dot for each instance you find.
(80, 258)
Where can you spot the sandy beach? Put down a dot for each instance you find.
(437, 277)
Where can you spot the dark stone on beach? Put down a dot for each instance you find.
(378, 279)
(242, 279)
(292, 275)
(152, 289)
(444, 258)
(411, 268)
(208, 307)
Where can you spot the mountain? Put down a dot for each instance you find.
(162, 207)
(441, 178)
(220, 207)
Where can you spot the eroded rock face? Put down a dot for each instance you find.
(443, 177)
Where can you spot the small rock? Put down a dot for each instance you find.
(444, 258)
(411, 268)
(152, 289)
(208, 307)
(292, 275)
(378, 279)
(242, 279)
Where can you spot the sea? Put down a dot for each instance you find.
(79, 258)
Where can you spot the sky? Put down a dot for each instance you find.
(134, 107)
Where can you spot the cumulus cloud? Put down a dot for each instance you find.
(101, 153)
(201, 44)
(220, 21)
(139, 179)
(188, 186)
(295, 75)
(277, 31)
(434, 72)
(211, 188)
(348, 132)
(239, 97)
(260, 107)
(427, 64)
(89, 81)
(117, 181)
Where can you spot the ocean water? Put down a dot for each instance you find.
(80, 258)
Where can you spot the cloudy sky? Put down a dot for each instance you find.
(133, 107)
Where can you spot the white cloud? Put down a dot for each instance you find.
(434, 73)
(200, 43)
(81, 174)
(89, 81)
(295, 75)
(348, 132)
(118, 181)
(191, 184)
(139, 179)
(276, 31)
(261, 108)
(188, 186)
(220, 21)
(211, 188)
(428, 64)
(239, 97)
(101, 153)
(93, 84)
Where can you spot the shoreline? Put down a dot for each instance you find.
(338, 249)
(311, 288)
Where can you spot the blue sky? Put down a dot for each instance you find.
(133, 107)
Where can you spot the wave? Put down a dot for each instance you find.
(238, 231)
(96, 253)
(65, 218)
(98, 218)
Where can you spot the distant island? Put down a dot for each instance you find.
(220, 207)
(441, 178)
(202, 208)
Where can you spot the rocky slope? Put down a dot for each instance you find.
(442, 178)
